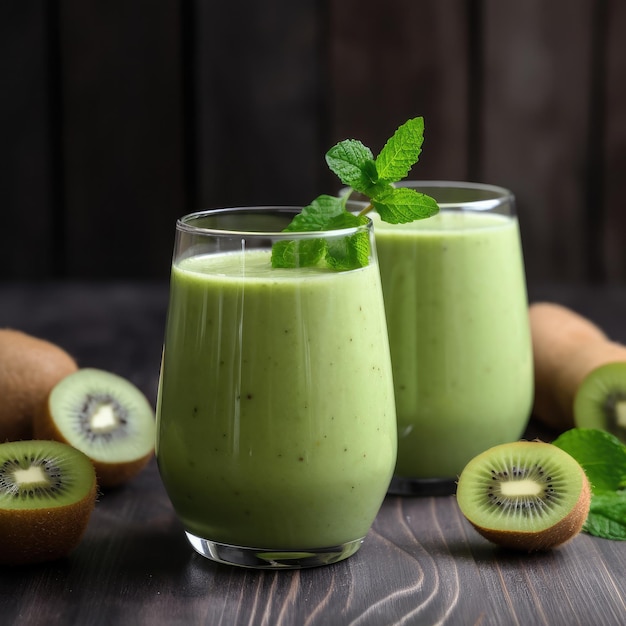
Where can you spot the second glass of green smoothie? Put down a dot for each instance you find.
(276, 417)
(456, 303)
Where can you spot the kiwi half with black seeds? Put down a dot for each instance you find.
(525, 495)
(47, 494)
(600, 401)
(106, 417)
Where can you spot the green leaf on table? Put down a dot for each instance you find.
(607, 516)
(603, 457)
(601, 454)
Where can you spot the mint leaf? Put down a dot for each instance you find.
(346, 253)
(316, 215)
(300, 253)
(401, 151)
(399, 205)
(602, 456)
(607, 516)
(353, 163)
(323, 214)
(356, 167)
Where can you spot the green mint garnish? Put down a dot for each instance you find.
(357, 168)
(318, 214)
(342, 253)
(603, 457)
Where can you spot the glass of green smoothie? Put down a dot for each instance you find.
(456, 304)
(276, 438)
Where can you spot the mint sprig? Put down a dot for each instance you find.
(603, 457)
(356, 167)
(340, 253)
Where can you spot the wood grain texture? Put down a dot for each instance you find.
(123, 142)
(538, 75)
(614, 144)
(421, 563)
(27, 168)
(116, 120)
(410, 59)
(258, 96)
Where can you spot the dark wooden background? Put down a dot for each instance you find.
(118, 117)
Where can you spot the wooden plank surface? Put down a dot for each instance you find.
(28, 194)
(614, 144)
(421, 563)
(259, 102)
(118, 119)
(123, 143)
(537, 98)
(410, 59)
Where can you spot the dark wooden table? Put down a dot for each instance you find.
(420, 564)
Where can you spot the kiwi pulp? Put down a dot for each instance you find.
(106, 417)
(526, 495)
(600, 401)
(47, 494)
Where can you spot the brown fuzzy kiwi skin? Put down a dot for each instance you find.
(566, 348)
(40, 535)
(547, 539)
(35, 538)
(109, 475)
(29, 369)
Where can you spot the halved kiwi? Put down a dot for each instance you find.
(29, 368)
(600, 401)
(106, 417)
(47, 494)
(526, 495)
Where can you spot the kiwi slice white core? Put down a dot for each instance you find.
(620, 413)
(104, 415)
(39, 475)
(525, 495)
(520, 492)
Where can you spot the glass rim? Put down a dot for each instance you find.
(501, 194)
(183, 224)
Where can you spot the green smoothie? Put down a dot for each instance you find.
(456, 305)
(276, 422)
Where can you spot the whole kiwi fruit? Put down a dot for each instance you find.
(47, 494)
(106, 417)
(525, 495)
(29, 368)
(567, 347)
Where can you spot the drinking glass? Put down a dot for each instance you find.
(276, 436)
(457, 312)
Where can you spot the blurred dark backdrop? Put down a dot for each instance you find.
(118, 117)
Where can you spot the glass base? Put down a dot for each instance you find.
(266, 558)
(403, 486)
